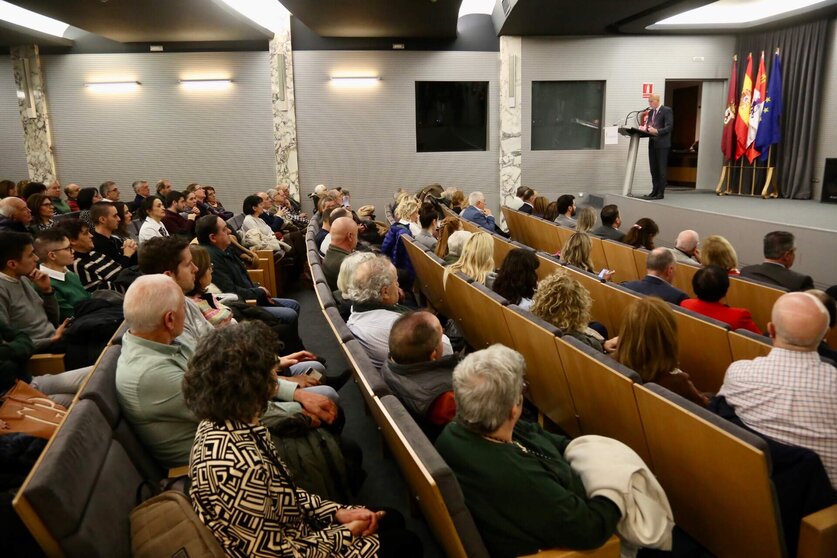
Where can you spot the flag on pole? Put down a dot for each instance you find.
(770, 130)
(742, 121)
(728, 136)
(756, 110)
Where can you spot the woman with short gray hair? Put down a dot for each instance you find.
(521, 490)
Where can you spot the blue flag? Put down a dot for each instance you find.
(770, 129)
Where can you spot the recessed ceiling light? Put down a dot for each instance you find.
(469, 7)
(31, 20)
(738, 13)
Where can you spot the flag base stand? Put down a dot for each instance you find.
(725, 176)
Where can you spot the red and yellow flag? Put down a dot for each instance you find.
(742, 122)
(759, 94)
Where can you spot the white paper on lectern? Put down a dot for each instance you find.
(611, 135)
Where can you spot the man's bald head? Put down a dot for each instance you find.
(687, 241)
(799, 322)
(416, 337)
(344, 233)
(15, 209)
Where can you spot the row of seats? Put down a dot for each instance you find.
(431, 481)
(717, 475)
(629, 263)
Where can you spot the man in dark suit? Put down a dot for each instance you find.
(779, 255)
(659, 124)
(660, 272)
(611, 221)
(528, 196)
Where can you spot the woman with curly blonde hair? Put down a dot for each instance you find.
(716, 250)
(476, 260)
(576, 251)
(566, 304)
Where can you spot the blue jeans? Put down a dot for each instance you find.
(324, 390)
(286, 311)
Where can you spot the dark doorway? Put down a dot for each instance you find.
(684, 99)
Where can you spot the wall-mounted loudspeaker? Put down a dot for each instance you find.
(829, 182)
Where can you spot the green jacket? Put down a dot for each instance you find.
(68, 293)
(15, 349)
(522, 502)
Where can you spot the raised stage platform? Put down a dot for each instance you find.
(743, 221)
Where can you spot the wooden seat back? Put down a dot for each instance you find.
(602, 392)
(617, 299)
(620, 258)
(545, 235)
(704, 349)
(683, 274)
(547, 265)
(597, 255)
(564, 233)
(548, 387)
(755, 297)
(716, 476)
(479, 317)
(429, 274)
(640, 261)
(599, 292)
(746, 345)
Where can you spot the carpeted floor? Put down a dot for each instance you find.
(384, 486)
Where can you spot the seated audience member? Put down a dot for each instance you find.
(551, 211)
(285, 231)
(686, 247)
(659, 273)
(427, 219)
(521, 490)
(15, 349)
(32, 188)
(212, 199)
(237, 473)
(15, 215)
(141, 190)
(95, 270)
(150, 371)
(42, 213)
(256, 233)
(203, 293)
(55, 254)
(8, 189)
(539, 205)
(476, 260)
(611, 221)
(393, 247)
(345, 281)
(528, 196)
(711, 284)
(124, 231)
(417, 371)
(716, 250)
(831, 306)
(576, 252)
(343, 242)
(779, 255)
(71, 191)
(172, 219)
(456, 242)
(329, 216)
(27, 299)
(478, 212)
(374, 295)
(449, 226)
(457, 201)
(105, 239)
(268, 213)
(86, 198)
(517, 278)
(642, 233)
(790, 395)
(53, 192)
(517, 201)
(586, 219)
(566, 211)
(287, 207)
(566, 304)
(648, 345)
(163, 188)
(152, 226)
(231, 276)
(109, 191)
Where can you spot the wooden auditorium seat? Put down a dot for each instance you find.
(746, 345)
(757, 297)
(548, 387)
(620, 259)
(602, 391)
(704, 348)
(429, 271)
(683, 274)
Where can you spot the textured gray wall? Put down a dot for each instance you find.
(625, 62)
(221, 138)
(12, 153)
(365, 139)
(827, 133)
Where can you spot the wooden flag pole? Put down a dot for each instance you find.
(740, 176)
(724, 174)
(769, 179)
(753, 180)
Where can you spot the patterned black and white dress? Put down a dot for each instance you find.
(243, 492)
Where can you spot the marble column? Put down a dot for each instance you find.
(284, 112)
(26, 63)
(510, 116)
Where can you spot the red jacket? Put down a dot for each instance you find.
(737, 318)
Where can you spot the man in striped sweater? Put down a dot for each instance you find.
(96, 270)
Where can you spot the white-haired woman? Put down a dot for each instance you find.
(522, 492)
